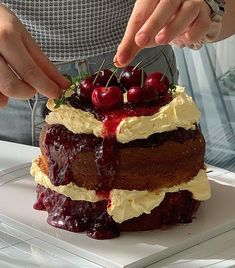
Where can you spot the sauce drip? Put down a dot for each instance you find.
(62, 146)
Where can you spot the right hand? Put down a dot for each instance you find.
(24, 69)
(160, 22)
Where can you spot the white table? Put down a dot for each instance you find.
(17, 249)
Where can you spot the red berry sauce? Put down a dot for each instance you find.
(62, 146)
(80, 216)
(76, 216)
(112, 118)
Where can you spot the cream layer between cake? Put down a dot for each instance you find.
(126, 204)
(180, 112)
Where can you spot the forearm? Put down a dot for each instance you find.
(228, 27)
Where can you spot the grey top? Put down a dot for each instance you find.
(74, 29)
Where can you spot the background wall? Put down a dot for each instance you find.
(209, 76)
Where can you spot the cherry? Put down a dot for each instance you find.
(158, 76)
(150, 94)
(134, 95)
(137, 95)
(132, 76)
(107, 98)
(103, 77)
(162, 88)
(158, 81)
(86, 87)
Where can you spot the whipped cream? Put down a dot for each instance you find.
(180, 112)
(75, 120)
(125, 204)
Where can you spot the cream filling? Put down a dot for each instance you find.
(180, 112)
(125, 204)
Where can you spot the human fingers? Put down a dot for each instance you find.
(123, 58)
(11, 86)
(128, 48)
(44, 63)
(198, 29)
(23, 64)
(14, 37)
(3, 100)
(191, 18)
(160, 17)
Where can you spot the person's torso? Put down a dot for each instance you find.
(74, 29)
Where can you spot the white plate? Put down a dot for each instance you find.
(137, 249)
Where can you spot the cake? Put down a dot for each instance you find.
(121, 154)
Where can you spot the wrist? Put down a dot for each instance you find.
(217, 9)
(217, 13)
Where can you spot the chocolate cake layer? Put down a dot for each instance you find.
(78, 216)
(162, 160)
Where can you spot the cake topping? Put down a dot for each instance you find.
(106, 76)
(107, 98)
(129, 123)
(86, 87)
(132, 76)
(140, 95)
(158, 81)
(107, 89)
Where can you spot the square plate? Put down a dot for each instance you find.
(134, 249)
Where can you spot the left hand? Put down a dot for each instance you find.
(158, 22)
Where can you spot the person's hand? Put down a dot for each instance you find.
(24, 69)
(158, 22)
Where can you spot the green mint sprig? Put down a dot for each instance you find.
(74, 84)
(60, 101)
(172, 88)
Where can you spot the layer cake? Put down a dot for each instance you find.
(121, 162)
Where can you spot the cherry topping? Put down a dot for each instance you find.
(162, 89)
(132, 76)
(135, 94)
(86, 87)
(107, 98)
(103, 77)
(158, 81)
(149, 94)
(138, 95)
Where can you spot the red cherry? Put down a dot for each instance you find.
(131, 76)
(160, 77)
(149, 94)
(166, 97)
(86, 88)
(107, 98)
(162, 88)
(134, 95)
(158, 81)
(137, 95)
(103, 77)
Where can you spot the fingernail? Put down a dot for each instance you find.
(115, 61)
(142, 39)
(121, 59)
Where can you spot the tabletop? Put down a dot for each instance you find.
(19, 249)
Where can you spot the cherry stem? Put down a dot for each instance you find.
(101, 66)
(138, 64)
(164, 75)
(142, 77)
(154, 58)
(169, 66)
(111, 77)
(109, 64)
